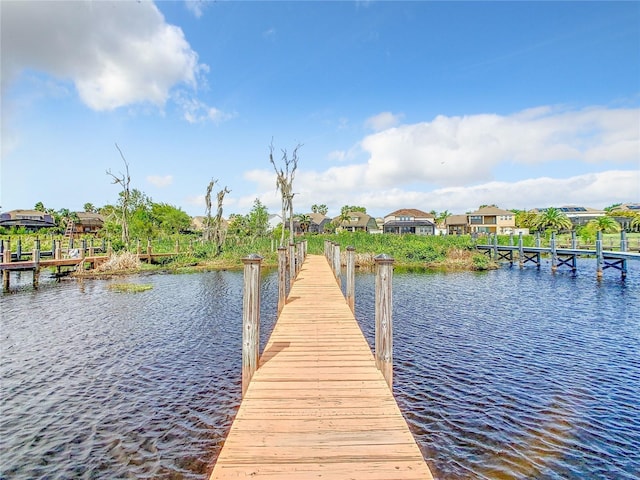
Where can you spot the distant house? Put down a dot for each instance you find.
(318, 222)
(358, 222)
(491, 220)
(31, 220)
(457, 224)
(88, 222)
(409, 221)
(623, 214)
(577, 215)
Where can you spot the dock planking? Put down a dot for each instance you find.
(317, 406)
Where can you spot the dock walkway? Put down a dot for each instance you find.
(317, 406)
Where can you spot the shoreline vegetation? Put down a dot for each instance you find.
(410, 252)
(414, 253)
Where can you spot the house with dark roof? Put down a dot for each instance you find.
(31, 220)
(577, 215)
(409, 221)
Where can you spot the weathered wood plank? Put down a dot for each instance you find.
(317, 407)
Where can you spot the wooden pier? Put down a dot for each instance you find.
(563, 257)
(317, 406)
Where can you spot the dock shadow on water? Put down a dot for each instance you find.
(507, 374)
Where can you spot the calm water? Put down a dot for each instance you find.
(507, 374)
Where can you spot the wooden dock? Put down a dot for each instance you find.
(317, 406)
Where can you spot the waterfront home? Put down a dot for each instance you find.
(409, 220)
(30, 220)
(88, 223)
(357, 222)
(577, 215)
(491, 220)
(457, 224)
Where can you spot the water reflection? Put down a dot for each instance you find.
(502, 375)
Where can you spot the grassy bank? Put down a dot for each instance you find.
(409, 251)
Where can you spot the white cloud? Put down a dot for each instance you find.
(196, 7)
(195, 111)
(115, 53)
(382, 121)
(160, 181)
(534, 158)
(450, 151)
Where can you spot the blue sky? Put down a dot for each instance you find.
(428, 105)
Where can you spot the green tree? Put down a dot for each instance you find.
(169, 219)
(526, 219)
(611, 208)
(305, 221)
(89, 208)
(635, 223)
(352, 208)
(258, 219)
(39, 207)
(442, 218)
(321, 209)
(552, 219)
(603, 224)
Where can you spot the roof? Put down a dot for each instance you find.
(456, 220)
(89, 218)
(410, 212)
(363, 220)
(491, 211)
(318, 218)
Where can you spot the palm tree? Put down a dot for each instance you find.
(635, 222)
(604, 224)
(552, 219)
(305, 221)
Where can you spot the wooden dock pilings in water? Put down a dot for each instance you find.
(317, 406)
(563, 257)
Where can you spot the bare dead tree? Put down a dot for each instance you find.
(284, 183)
(208, 220)
(219, 232)
(124, 179)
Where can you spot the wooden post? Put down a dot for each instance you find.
(292, 263)
(83, 246)
(91, 248)
(250, 319)
(574, 240)
(351, 269)
(282, 278)
(109, 249)
(149, 249)
(138, 248)
(599, 257)
(537, 239)
(520, 251)
(495, 246)
(177, 245)
(58, 249)
(6, 258)
(36, 267)
(383, 317)
(623, 241)
(554, 255)
(19, 249)
(337, 267)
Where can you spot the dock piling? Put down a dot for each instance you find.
(250, 318)
(383, 317)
